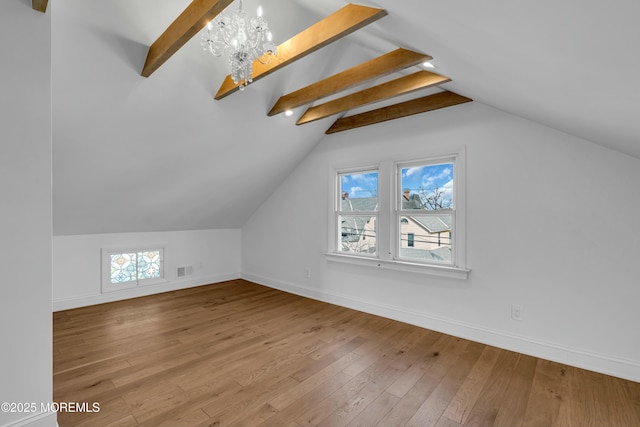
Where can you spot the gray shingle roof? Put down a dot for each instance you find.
(353, 227)
(441, 254)
(433, 223)
(413, 202)
(360, 204)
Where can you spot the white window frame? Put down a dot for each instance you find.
(107, 286)
(388, 222)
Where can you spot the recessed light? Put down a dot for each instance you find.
(428, 65)
(288, 113)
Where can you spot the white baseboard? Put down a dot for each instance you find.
(605, 364)
(42, 419)
(101, 298)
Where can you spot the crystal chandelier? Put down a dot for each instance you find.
(242, 40)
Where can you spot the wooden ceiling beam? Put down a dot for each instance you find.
(335, 26)
(403, 109)
(188, 24)
(39, 5)
(381, 66)
(400, 86)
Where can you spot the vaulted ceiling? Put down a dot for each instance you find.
(328, 30)
(135, 153)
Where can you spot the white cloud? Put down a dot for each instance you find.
(364, 178)
(412, 171)
(432, 180)
(355, 190)
(362, 185)
(447, 188)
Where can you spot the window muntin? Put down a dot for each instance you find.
(425, 213)
(357, 212)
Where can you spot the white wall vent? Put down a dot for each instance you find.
(184, 271)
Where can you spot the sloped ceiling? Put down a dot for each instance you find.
(159, 153)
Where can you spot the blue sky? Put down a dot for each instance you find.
(360, 185)
(416, 179)
(428, 178)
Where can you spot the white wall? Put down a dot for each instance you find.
(566, 210)
(25, 211)
(213, 254)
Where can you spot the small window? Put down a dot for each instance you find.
(357, 212)
(410, 239)
(128, 269)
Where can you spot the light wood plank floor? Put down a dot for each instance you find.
(240, 354)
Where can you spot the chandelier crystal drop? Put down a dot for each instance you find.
(242, 40)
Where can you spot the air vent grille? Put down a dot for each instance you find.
(184, 271)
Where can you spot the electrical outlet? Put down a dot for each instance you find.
(516, 312)
(307, 273)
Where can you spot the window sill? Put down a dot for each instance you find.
(429, 269)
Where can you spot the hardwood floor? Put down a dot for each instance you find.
(240, 354)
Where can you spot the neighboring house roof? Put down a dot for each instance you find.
(433, 223)
(360, 204)
(353, 228)
(413, 202)
(440, 254)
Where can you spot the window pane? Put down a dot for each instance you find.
(359, 191)
(358, 234)
(123, 267)
(427, 187)
(148, 265)
(426, 237)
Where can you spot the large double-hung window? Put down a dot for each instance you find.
(403, 215)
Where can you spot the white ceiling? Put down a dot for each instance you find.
(158, 153)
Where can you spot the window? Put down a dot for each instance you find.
(406, 215)
(131, 268)
(426, 211)
(356, 212)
